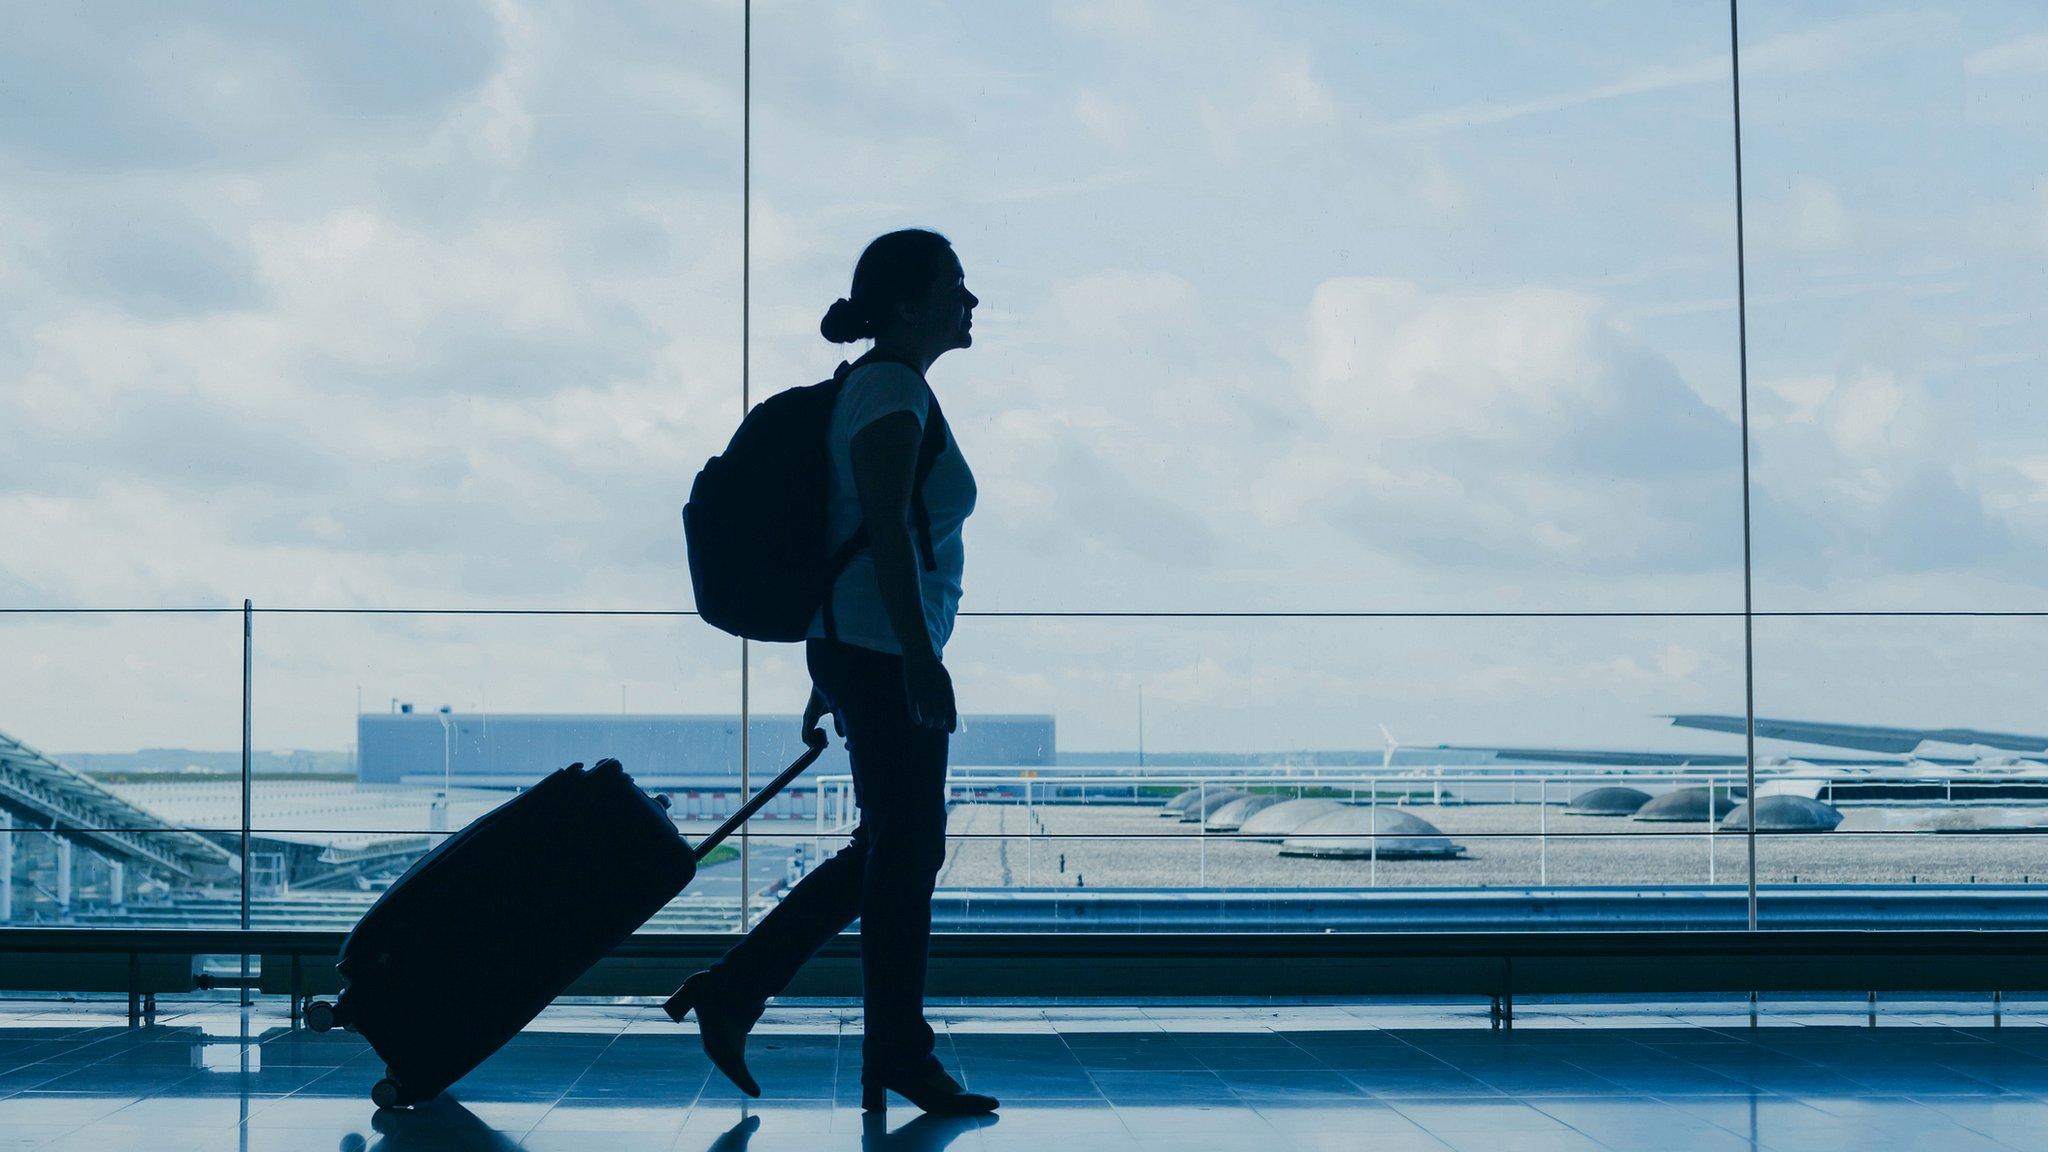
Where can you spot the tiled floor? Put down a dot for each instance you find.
(1930, 1075)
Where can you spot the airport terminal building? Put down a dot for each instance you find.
(667, 750)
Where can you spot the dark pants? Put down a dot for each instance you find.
(884, 877)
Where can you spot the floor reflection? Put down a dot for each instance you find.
(1574, 1077)
(440, 1125)
(734, 1139)
(927, 1133)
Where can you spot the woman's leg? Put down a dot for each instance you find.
(885, 876)
(819, 907)
(900, 770)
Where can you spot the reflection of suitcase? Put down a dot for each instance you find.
(484, 931)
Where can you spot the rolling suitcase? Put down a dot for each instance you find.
(482, 932)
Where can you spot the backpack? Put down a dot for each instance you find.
(755, 525)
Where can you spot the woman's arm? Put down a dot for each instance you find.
(884, 458)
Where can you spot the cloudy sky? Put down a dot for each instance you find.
(1409, 306)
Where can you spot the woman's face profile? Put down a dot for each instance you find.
(944, 320)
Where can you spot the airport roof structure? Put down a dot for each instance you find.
(42, 793)
(1783, 813)
(1206, 806)
(1283, 818)
(1613, 800)
(1231, 816)
(1687, 805)
(1358, 832)
(341, 818)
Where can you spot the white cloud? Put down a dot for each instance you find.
(1805, 52)
(1793, 400)
(1121, 18)
(1077, 187)
(2022, 56)
(225, 81)
(1275, 100)
(1509, 428)
(1114, 307)
(1538, 372)
(1861, 416)
(1107, 119)
(2018, 224)
(499, 117)
(1872, 476)
(1809, 217)
(368, 274)
(1442, 194)
(1679, 661)
(458, 367)
(1642, 81)
(1843, 43)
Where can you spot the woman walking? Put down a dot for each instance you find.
(898, 492)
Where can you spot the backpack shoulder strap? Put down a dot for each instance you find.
(929, 448)
(936, 433)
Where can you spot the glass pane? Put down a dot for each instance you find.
(370, 772)
(1311, 306)
(1897, 226)
(1910, 771)
(1447, 758)
(120, 769)
(405, 305)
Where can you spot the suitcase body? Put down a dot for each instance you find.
(477, 937)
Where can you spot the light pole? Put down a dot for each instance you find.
(441, 811)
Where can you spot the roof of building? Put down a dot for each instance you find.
(45, 794)
(1688, 805)
(1613, 800)
(1355, 831)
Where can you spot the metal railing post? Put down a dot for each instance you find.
(248, 632)
(1710, 830)
(1372, 831)
(6, 866)
(1029, 839)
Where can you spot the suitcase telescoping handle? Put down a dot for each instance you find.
(814, 741)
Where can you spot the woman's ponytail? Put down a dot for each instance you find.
(846, 322)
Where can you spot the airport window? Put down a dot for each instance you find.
(1365, 507)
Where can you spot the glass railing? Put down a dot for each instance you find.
(128, 799)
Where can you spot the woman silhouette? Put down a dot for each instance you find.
(874, 656)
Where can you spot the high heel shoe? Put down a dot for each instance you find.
(935, 1092)
(724, 1037)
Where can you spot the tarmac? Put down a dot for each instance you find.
(1076, 845)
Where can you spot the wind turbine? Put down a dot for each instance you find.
(1391, 746)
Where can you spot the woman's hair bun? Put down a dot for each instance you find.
(846, 322)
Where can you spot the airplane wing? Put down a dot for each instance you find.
(1601, 756)
(1864, 737)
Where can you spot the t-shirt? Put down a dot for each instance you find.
(872, 391)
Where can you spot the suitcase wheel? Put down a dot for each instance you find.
(386, 1093)
(320, 1016)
